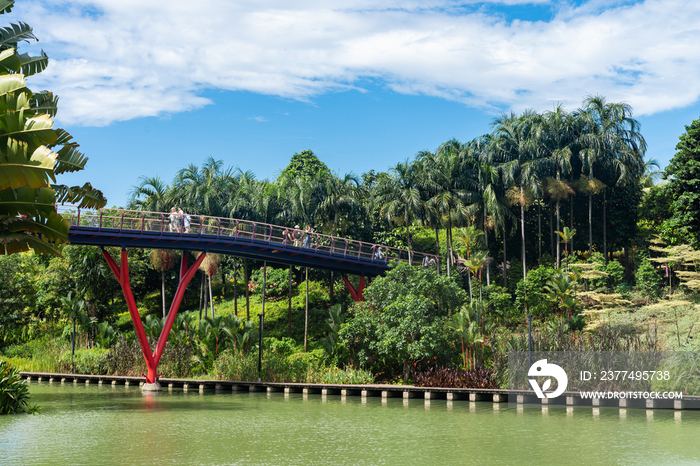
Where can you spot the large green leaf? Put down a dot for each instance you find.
(17, 169)
(35, 130)
(33, 65)
(54, 228)
(64, 138)
(38, 202)
(11, 243)
(69, 160)
(11, 82)
(9, 36)
(6, 6)
(84, 196)
(9, 61)
(46, 102)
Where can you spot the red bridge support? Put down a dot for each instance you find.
(357, 294)
(122, 275)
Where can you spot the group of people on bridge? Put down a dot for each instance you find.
(180, 222)
(298, 237)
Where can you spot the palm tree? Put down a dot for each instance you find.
(206, 191)
(566, 236)
(340, 193)
(515, 147)
(448, 176)
(400, 198)
(651, 175)
(611, 136)
(150, 194)
(559, 133)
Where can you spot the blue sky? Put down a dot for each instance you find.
(148, 87)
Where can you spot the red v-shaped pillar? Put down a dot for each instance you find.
(122, 274)
(357, 294)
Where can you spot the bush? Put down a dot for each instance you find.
(347, 376)
(616, 272)
(277, 282)
(500, 304)
(532, 292)
(648, 281)
(87, 361)
(14, 392)
(455, 378)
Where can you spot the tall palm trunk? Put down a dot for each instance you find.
(522, 230)
(605, 227)
(551, 233)
(162, 290)
(539, 232)
(247, 290)
(235, 289)
(408, 235)
(558, 261)
(590, 224)
(202, 296)
(486, 241)
(203, 310)
(571, 221)
(437, 240)
(289, 310)
(211, 299)
(505, 263)
(306, 314)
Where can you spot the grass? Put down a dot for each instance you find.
(675, 320)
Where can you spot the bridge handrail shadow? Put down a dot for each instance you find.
(135, 222)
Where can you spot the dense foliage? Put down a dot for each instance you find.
(14, 392)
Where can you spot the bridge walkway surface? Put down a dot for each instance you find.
(242, 238)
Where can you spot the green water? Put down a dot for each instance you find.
(121, 426)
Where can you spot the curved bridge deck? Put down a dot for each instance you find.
(242, 238)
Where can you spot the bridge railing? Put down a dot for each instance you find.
(173, 225)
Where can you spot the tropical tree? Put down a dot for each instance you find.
(449, 179)
(612, 138)
(515, 147)
(566, 236)
(151, 194)
(400, 197)
(32, 153)
(557, 141)
(683, 187)
(206, 191)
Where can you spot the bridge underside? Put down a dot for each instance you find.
(258, 250)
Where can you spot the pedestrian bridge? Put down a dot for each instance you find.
(241, 238)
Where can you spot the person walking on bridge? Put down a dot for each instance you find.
(172, 220)
(307, 236)
(297, 236)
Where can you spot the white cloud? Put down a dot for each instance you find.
(259, 119)
(115, 61)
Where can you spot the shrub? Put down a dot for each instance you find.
(87, 361)
(277, 282)
(455, 378)
(500, 304)
(616, 272)
(348, 375)
(648, 281)
(14, 392)
(532, 291)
